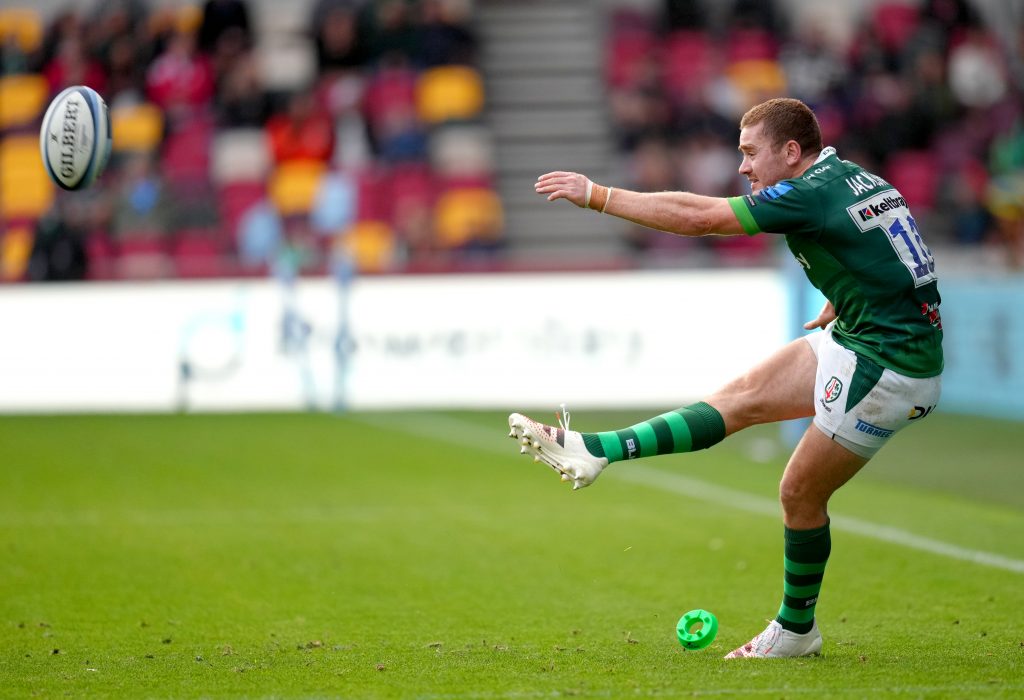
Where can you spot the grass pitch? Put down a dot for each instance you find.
(416, 555)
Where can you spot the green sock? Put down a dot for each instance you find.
(686, 429)
(806, 555)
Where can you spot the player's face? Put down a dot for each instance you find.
(762, 164)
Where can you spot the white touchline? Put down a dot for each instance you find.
(474, 436)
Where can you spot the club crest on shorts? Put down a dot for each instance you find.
(833, 389)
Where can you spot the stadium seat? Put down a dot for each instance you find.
(757, 80)
(101, 253)
(239, 155)
(185, 157)
(449, 93)
(411, 181)
(293, 186)
(371, 245)
(143, 257)
(894, 23)
(26, 191)
(630, 44)
(285, 65)
(23, 98)
(15, 250)
(138, 127)
(373, 196)
(23, 25)
(751, 45)
(916, 175)
(688, 63)
(465, 215)
(236, 198)
(198, 253)
(461, 149)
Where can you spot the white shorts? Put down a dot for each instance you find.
(860, 404)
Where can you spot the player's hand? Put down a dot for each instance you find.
(825, 317)
(561, 185)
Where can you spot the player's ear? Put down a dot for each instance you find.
(793, 152)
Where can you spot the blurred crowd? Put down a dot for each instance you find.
(338, 135)
(922, 93)
(247, 140)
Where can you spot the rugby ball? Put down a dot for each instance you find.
(74, 138)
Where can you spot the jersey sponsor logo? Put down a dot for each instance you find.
(873, 430)
(630, 448)
(833, 389)
(775, 191)
(750, 200)
(878, 210)
(920, 412)
(865, 182)
(800, 258)
(888, 203)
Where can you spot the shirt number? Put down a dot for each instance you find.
(911, 248)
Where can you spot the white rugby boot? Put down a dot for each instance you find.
(560, 448)
(778, 642)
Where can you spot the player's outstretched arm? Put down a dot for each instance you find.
(681, 213)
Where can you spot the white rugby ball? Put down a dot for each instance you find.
(75, 137)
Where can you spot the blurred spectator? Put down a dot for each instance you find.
(813, 69)
(241, 100)
(685, 14)
(142, 207)
(71, 63)
(445, 37)
(923, 91)
(303, 131)
(390, 109)
(391, 31)
(335, 30)
(180, 80)
(125, 69)
(58, 251)
(650, 169)
(224, 22)
(1005, 194)
(977, 71)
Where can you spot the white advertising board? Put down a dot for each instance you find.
(497, 341)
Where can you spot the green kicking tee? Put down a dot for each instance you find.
(857, 241)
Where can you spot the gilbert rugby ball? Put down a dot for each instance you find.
(75, 137)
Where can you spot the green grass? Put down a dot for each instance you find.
(324, 556)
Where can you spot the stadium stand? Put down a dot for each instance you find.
(406, 133)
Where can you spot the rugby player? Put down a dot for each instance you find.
(872, 368)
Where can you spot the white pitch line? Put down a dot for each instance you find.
(474, 436)
(719, 495)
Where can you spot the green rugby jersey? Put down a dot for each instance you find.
(859, 244)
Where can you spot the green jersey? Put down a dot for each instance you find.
(859, 244)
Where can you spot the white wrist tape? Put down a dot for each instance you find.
(590, 189)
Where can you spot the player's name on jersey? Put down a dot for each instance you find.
(865, 182)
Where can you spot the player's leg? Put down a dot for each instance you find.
(779, 388)
(858, 407)
(818, 467)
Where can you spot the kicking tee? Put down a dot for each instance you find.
(857, 241)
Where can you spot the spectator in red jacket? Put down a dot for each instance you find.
(304, 131)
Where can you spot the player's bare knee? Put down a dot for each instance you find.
(740, 403)
(800, 501)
